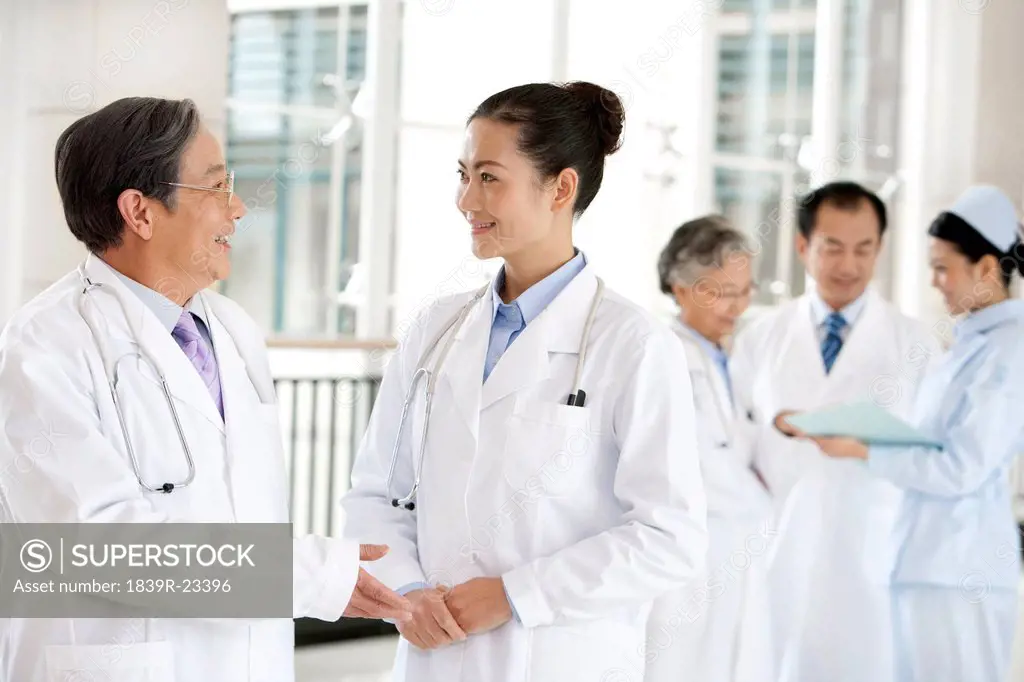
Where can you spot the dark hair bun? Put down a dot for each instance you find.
(605, 109)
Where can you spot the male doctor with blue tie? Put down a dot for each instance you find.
(838, 342)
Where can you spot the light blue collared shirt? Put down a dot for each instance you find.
(714, 352)
(508, 320)
(822, 310)
(167, 311)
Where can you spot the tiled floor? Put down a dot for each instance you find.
(367, 660)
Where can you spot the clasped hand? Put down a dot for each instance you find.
(442, 615)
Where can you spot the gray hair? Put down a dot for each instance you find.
(133, 143)
(697, 245)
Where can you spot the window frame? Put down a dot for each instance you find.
(341, 173)
(826, 23)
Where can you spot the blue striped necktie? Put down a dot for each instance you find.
(833, 342)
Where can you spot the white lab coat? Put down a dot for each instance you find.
(719, 629)
(587, 513)
(52, 382)
(830, 566)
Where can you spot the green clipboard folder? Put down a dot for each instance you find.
(864, 421)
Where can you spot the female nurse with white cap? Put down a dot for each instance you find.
(954, 585)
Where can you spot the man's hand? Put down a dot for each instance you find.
(849, 448)
(785, 427)
(479, 604)
(370, 598)
(431, 625)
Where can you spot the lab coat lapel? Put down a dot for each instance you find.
(722, 393)
(557, 329)
(231, 368)
(463, 369)
(700, 362)
(801, 370)
(145, 331)
(860, 349)
(523, 364)
(251, 455)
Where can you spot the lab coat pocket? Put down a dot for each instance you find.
(549, 448)
(140, 662)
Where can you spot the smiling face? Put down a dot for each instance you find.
(512, 213)
(718, 298)
(841, 253)
(193, 237)
(965, 286)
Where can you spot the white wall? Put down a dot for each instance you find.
(61, 59)
(654, 61)
(962, 123)
(11, 122)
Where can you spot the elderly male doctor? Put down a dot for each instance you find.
(144, 187)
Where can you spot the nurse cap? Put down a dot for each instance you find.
(991, 214)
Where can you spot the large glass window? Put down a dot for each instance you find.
(765, 86)
(295, 145)
(765, 73)
(751, 5)
(767, 150)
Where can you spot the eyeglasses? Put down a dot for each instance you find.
(734, 294)
(229, 190)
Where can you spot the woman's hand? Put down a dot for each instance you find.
(432, 624)
(848, 448)
(479, 604)
(784, 427)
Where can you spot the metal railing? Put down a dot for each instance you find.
(322, 424)
(325, 400)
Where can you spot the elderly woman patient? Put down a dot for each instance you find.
(715, 629)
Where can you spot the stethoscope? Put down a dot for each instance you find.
(111, 373)
(576, 398)
(723, 413)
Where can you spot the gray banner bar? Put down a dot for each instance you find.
(138, 570)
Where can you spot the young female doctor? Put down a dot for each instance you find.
(718, 629)
(545, 486)
(955, 583)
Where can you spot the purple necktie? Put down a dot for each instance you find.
(186, 333)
